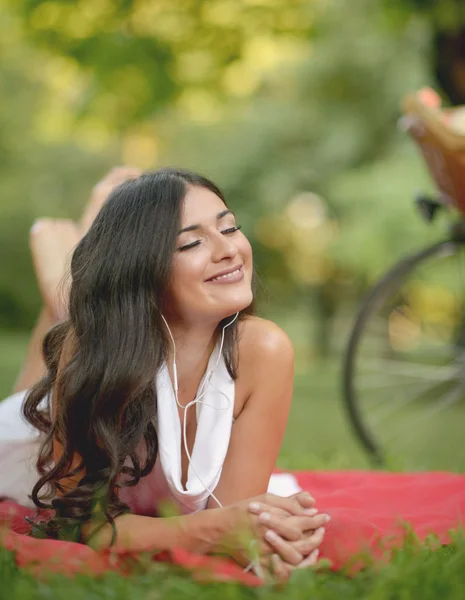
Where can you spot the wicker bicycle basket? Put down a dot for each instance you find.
(442, 147)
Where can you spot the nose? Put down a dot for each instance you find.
(223, 247)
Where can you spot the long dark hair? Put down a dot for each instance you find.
(106, 395)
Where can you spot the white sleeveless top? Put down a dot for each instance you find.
(214, 422)
(19, 445)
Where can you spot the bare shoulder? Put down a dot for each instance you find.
(265, 366)
(262, 341)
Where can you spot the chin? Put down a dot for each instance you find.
(241, 302)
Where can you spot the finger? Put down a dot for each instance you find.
(310, 561)
(284, 548)
(291, 528)
(307, 523)
(284, 527)
(305, 499)
(265, 549)
(281, 571)
(290, 504)
(257, 508)
(310, 543)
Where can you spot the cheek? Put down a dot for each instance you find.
(245, 249)
(190, 267)
(187, 274)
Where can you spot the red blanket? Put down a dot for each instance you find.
(366, 508)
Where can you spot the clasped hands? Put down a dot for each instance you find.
(288, 531)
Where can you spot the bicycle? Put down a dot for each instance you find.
(405, 357)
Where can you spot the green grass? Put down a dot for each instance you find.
(412, 574)
(317, 437)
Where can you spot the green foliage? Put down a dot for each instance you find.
(327, 125)
(413, 572)
(36, 178)
(140, 56)
(448, 15)
(271, 99)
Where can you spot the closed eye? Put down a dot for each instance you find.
(231, 230)
(188, 246)
(197, 242)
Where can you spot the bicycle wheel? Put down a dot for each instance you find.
(404, 366)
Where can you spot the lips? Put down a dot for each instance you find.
(227, 274)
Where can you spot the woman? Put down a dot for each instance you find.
(161, 386)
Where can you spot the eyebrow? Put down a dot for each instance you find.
(197, 226)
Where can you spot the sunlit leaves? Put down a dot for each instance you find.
(146, 54)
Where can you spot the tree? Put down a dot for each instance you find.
(38, 177)
(134, 58)
(447, 19)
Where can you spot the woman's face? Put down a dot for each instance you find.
(212, 265)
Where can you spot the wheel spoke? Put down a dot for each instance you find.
(447, 401)
(407, 379)
(371, 382)
(404, 427)
(417, 371)
(399, 404)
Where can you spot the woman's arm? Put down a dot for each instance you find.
(203, 532)
(225, 530)
(266, 367)
(266, 364)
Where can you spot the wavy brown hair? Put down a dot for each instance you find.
(106, 397)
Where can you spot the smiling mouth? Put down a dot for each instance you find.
(231, 276)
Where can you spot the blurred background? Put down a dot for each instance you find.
(291, 106)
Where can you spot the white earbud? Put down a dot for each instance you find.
(175, 372)
(200, 393)
(175, 377)
(255, 562)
